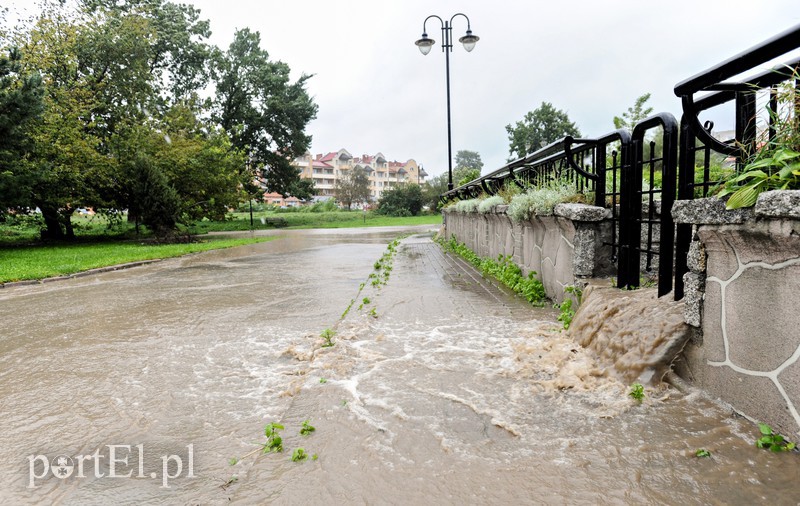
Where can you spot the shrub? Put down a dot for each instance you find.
(467, 206)
(488, 204)
(509, 191)
(539, 201)
(504, 270)
(405, 200)
(153, 201)
(775, 165)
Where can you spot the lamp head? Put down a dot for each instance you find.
(469, 41)
(425, 44)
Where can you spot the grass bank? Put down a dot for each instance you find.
(26, 230)
(44, 261)
(333, 219)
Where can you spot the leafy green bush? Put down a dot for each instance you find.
(404, 200)
(153, 200)
(504, 270)
(776, 164)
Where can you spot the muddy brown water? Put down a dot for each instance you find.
(451, 392)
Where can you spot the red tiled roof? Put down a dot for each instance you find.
(276, 195)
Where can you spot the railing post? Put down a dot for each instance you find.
(629, 227)
(600, 170)
(683, 236)
(669, 176)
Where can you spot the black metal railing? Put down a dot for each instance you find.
(656, 220)
(615, 167)
(697, 142)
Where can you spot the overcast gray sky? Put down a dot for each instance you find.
(591, 58)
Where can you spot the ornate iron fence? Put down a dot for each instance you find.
(639, 174)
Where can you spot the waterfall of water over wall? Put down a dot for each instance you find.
(635, 333)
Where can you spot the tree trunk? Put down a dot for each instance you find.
(66, 218)
(53, 228)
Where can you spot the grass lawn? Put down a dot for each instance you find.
(334, 219)
(44, 261)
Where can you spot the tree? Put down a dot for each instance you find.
(95, 73)
(437, 185)
(20, 104)
(654, 137)
(403, 200)
(121, 112)
(634, 114)
(352, 188)
(303, 189)
(468, 167)
(539, 128)
(153, 200)
(199, 162)
(178, 54)
(469, 160)
(263, 112)
(466, 175)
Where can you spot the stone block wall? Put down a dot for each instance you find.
(743, 294)
(563, 248)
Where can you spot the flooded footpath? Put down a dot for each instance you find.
(153, 386)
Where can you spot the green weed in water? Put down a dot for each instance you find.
(299, 455)
(769, 440)
(328, 334)
(306, 429)
(274, 441)
(352, 301)
(637, 392)
(567, 313)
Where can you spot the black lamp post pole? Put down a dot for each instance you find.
(424, 45)
(446, 29)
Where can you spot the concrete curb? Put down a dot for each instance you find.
(81, 274)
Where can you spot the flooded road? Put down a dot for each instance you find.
(439, 388)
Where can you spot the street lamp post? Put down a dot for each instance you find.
(425, 44)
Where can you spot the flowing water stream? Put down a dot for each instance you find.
(440, 388)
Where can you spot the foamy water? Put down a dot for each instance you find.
(454, 392)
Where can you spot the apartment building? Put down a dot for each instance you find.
(383, 174)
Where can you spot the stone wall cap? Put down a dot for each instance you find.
(779, 204)
(708, 211)
(582, 212)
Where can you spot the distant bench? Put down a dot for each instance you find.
(276, 221)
